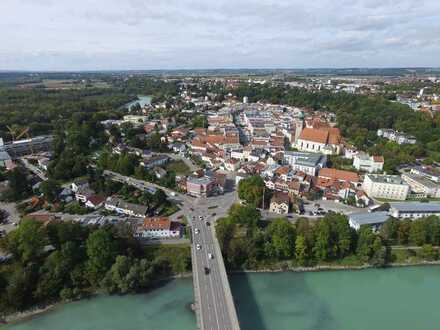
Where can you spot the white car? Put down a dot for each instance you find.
(200, 217)
(198, 247)
(196, 230)
(210, 256)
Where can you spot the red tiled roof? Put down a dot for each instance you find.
(335, 174)
(156, 223)
(378, 159)
(315, 135)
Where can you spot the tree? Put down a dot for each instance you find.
(365, 243)
(428, 252)
(281, 239)
(251, 190)
(245, 215)
(50, 189)
(322, 246)
(101, 251)
(301, 254)
(27, 241)
(19, 185)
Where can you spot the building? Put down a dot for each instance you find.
(307, 162)
(136, 120)
(157, 160)
(367, 163)
(421, 185)
(385, 186)
(414, 210)
(333, 174)
(323, 140)
(120, 206)
(95, 201)
(396, 136)
(279, 203)
(160, 227)
(84, 193)
(373, 219)
(200, 186)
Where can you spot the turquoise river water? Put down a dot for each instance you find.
(398, 298)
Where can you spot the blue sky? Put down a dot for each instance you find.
(181, 34)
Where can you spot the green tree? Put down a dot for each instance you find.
(50, 189)
(27, 241)
(281, 239)
(19, 186)
(301, 253)
(101, 251)
(365, 243)
(251, 190)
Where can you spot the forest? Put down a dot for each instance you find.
(65, 261)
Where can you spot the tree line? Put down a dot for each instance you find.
(64, 261)
(249, 243)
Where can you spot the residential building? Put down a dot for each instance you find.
(120, 206)
(157, 160)
(95, 201)
(159, 227)
(333, 174)
(385, 186)
(136, 120)
(307, 162)
(372, 219)
(200, 186)
(367, 163)
(396, 136)
(83, 193)
(279, 203)
(414, 210)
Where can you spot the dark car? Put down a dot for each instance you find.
(208, 223)
(207, 270)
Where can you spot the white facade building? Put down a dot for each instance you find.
(385, 186)
(367, 163)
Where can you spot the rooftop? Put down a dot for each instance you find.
(416, 206)
(391, 179)
(365, 218)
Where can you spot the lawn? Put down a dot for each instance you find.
(178, 167)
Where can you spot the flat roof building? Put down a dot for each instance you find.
(385, 186)
(414, 210)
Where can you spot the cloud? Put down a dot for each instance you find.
(151, 34)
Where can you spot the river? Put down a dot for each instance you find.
(143, 100)
(398, 298)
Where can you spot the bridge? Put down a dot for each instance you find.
(214, 303)
(213, 298)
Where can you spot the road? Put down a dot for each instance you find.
(213, 298)
(34, 169)
(215, 306)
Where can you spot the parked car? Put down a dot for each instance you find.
(197, 230)
(198, 247)
(210, 256)
(207, 270)
(208, 223)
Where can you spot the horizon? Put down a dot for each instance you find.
(134, 35)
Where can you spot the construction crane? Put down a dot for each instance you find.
(17, 133)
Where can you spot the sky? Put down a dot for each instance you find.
(206, 34)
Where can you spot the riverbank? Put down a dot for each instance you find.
(38, 310)
(28, 314)
(323, 268)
